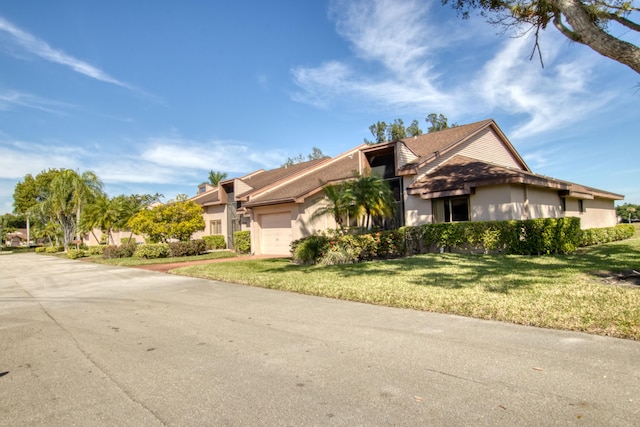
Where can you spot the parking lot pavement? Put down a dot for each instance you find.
(87, 344)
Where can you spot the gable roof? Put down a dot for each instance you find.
(460, 174)
(310, 181)
(431, 145)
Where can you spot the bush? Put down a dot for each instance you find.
(189, 248)
(54, 249)
(96, 250)
(242, 241)
(309, 250)
(41, 250)
(122, 251)
(597, 236)
(215, 242)
(152, 251)
(76, 253)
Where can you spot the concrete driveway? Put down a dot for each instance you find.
(85, 344)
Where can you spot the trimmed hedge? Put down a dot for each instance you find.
(242, 241)
(544, 236)
(188, 248)
(76, 253)
(96, 250)
(597, 236)
(122, 251)
(215, 242)
(152, 251)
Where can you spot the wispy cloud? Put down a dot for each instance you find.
(40, 48)
(406, 60)
(18, 158)
(11, 98)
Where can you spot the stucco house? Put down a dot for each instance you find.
(466, 173)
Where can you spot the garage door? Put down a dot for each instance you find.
(276, 234)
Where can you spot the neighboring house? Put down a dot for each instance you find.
(17, 238)
(466, 173)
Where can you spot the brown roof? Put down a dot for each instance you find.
(260, 180)
(338, 169)
(429, 145)
(208, 198)
(460, 174)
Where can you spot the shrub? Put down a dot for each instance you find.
(122, 251)
(41, 250)
(96, 250)
(309, 250)
(338, 256)
(597, 236)
(76, 253)
(189, 248)
(215, 242)
(54, 249)
(149, 251)
(242, 241)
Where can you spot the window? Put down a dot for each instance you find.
(455, 209)
(215, 227)
(581, 207)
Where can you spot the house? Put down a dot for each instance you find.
(466, 173)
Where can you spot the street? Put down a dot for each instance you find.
(86, 344)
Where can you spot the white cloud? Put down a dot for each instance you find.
(40, 48)
(18, 158)
(407, 60)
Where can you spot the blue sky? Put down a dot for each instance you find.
(152, 95)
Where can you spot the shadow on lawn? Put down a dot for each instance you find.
(496, 273)
(500, 273)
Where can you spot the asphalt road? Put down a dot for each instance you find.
(88, 345)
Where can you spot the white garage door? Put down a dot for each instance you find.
(276, 234)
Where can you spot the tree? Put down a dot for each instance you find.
(216, 176)
(372, 196)
(396, 130)
(413, 129)
(177, 220)
(589, 22)
(628, 211)
(102, 213)
(316, 154)
(69, 193)
(438, 122)
(340, 203)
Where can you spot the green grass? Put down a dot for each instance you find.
(132, 262)
(561, 292)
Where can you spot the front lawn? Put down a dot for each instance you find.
(579, 292)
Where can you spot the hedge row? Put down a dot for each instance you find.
(242, 241)
(529, 237)
(215, 242)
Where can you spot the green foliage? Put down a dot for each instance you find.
(628, 212)
(215, 242)
(122, 251)
(54, 249)
(242, 241)
(597, 236)
(177, 220)
(309, 250)
(316, 154)
(127, 241)
(152, 251)
(76, 253)
(190, 248)
(216, 176)
(96, 250)
(41, 250)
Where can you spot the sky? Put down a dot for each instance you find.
(152, 95)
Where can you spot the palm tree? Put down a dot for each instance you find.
(102, 213)
(68, 195)
(372, 197)
(340, 203)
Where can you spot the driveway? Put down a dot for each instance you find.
(87, 344)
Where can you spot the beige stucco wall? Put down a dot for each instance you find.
(417, 211)
(543, 203)
(496, 203)
(116, 235)
(210, 213)
(598, 213)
